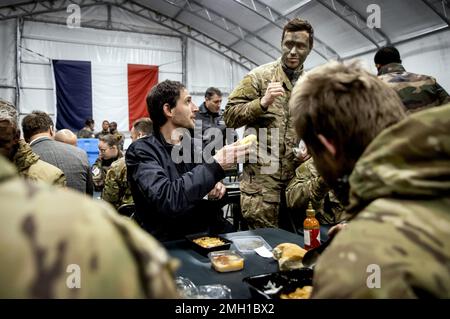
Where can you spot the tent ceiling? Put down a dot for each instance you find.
(250, 30)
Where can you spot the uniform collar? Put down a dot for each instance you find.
(390, 68)
(281, 76)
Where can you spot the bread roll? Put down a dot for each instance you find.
(289, 256)
(248, 139)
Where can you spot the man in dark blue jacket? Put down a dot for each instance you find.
(210, 119)
(168, 174)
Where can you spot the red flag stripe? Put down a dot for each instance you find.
(141, 78)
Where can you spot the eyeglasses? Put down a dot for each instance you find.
(103, 150)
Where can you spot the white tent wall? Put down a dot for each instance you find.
(206, 68)
(42, 42)
(46, 37)
(428, 55)
(8, 60)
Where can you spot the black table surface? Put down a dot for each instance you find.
(198, 269)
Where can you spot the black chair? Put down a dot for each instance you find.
(127, 210)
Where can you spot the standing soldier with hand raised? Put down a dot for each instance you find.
(260, 101)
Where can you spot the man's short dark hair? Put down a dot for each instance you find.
(165, 92)
(34, 123)
(386, 55)
(143, 125)
(297, 24)
(89, 122)
(210, 92)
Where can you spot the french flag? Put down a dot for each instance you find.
(101, 92)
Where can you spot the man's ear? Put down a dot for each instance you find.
(167, 110)
(52, 131)
(328, 145)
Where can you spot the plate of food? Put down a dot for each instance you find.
(205, 243)
(292, 284)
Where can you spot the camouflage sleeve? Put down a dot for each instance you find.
(156, 268)
(97, 175)
(306, 186)
(443, 96)
(357, 264)
(244, 104)
(389, 250)
(111, 191)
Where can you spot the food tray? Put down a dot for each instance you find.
(206, 250)
(226, 260)
(265, 286)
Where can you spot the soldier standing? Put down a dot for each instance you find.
(417, 91)
(260, 101)
(119, 137)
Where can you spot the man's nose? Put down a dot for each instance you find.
(293, 50)
(194, 107)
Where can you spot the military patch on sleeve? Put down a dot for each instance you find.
(95, 171)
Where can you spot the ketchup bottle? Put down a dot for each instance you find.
(311, 229)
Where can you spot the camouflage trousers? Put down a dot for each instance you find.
(260, 210)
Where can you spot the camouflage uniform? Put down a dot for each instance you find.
(416, 91)
(99, 171)
(120, 139)
(85, 133)
(45, 229)
(117, 190)
(101, 133)
(31, 167)
(308, 186)
(261, 192)
(400, 200)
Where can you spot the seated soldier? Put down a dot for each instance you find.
(19, 152)
(119, 137)
(116, 190)
(109, 152)
(88, 130)
(393, 174)
(308, 186)
(105, 129)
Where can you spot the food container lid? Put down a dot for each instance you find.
(213, 254)
(248, 244)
